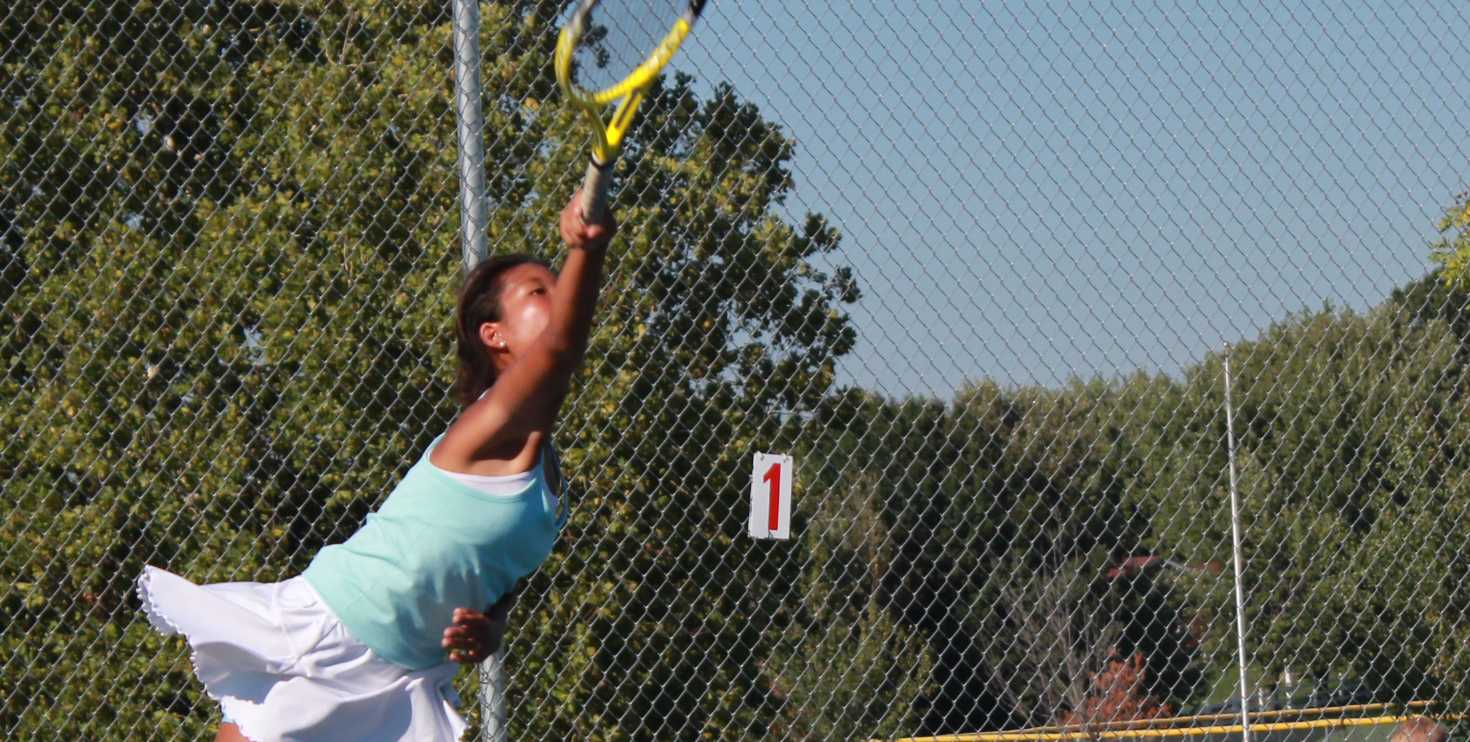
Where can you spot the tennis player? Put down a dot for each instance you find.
(362, 645)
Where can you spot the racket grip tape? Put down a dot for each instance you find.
(594, 192)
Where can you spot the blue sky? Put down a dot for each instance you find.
(1032, 191)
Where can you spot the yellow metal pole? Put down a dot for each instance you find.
(1280, 726)
(1357, 708)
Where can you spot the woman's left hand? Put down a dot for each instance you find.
(474, 636)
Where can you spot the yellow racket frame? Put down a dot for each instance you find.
(607, 140)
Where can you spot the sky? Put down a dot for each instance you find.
(1031, 192)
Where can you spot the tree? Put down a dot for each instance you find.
(1061, 641)
(1119, 692)
(935, 473)
(1351, 482)
(1452, 250)
(229, 265)
(1005, 509)
(847, 665)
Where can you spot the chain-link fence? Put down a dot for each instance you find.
(973, 265)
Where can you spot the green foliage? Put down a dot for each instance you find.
(1048, 633)
(229, 235)
(846, 666)
(1012, 512)
(1006, 509)
(1452, 250)
(1348, 432)
(227, 259)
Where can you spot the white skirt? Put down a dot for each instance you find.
(282, 667)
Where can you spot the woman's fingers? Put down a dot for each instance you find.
(471, 636)
(466, 616)
(579, 234)
(460, 639)
(463, 650)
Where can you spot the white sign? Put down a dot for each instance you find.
(770, 496)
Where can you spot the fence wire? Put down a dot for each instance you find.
(971, 265)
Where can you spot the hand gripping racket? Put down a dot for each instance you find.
(612, 51)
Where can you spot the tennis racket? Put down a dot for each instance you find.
(611, 51)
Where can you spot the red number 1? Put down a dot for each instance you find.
(773, 475)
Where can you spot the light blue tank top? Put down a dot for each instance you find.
(436, 544)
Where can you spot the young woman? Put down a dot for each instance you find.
(356, 647)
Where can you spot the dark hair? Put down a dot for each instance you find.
(479, 302)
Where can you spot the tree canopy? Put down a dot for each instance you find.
(227, 267)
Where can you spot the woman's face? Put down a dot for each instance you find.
(525, 308)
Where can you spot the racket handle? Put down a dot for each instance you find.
(594, 192)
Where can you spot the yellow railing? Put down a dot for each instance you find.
(1191, 726)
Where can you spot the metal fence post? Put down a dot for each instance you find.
(473, 218)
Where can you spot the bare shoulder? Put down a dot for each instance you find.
(465, 449)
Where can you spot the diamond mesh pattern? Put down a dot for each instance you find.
(972, 265)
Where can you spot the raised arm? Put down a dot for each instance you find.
(537, 345)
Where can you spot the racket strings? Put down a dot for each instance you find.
(622, 34)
